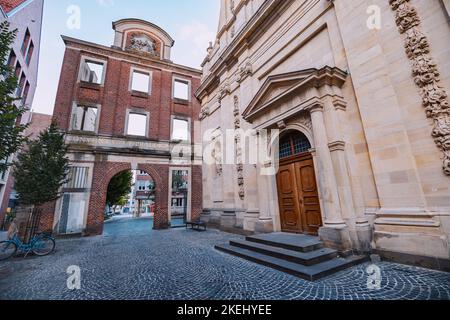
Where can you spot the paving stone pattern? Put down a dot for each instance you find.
(131, 261)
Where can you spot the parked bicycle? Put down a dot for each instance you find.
(41, 245)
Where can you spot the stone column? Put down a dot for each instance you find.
(349, 191)
(335, 232)
(326, 179)
(268, 193)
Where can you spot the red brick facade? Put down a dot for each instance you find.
(115, 100)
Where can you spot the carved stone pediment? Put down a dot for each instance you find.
(278, 87)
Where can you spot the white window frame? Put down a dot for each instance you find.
(172, 127)
(91, 105)
(84, 60)
(147, 124)
(143, 71)
(186, 81)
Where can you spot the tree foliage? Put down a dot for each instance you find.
(119, 188)
(42, 168)
(11, 108)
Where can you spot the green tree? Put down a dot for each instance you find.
(119, 188)
(11, 108)
(41, 168)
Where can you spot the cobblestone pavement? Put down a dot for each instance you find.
(131, 261)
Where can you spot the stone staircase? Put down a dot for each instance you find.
(300, 255)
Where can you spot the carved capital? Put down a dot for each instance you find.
(340, 104)
(316, 107)
(337, 146)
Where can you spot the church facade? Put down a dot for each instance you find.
(349, 99)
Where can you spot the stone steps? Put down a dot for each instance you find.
(305, 258)
(295, 242)
(299, 255)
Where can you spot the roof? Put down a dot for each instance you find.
(9, 5)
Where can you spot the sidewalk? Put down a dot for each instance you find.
(3, 235)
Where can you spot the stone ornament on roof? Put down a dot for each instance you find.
(143, 44)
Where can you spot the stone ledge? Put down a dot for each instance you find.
(415, 260)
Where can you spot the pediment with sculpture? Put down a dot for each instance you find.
(142, 43)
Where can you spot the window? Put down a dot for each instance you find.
(12, 59)
(181, 89)
(140, 81)
(92, 71)
(26, 41)
(180, 130)
(21, 85)
(25, 92)
(85, 118)
(18, 70)
(78, 178)
(137, 125)
(29, 53)
(293, 144)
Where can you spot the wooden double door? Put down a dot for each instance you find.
(298, 196)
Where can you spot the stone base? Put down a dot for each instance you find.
(264, 226)
(336, 238)
(413, 243)
(364, 235)
(231, 220)
(415, 260)
(251, 217)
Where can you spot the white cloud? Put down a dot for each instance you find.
(106, 3)
(192, 39)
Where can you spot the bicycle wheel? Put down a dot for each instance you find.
(44, 246)
(7, 250)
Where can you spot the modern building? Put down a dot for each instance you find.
(124, 107)
(349, 100)
(26, 17)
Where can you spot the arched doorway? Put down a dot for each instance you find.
(297, 187)
(104, 172)
(130, 194)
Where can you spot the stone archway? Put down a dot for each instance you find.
(103, 173)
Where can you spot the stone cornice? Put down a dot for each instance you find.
(86, 45)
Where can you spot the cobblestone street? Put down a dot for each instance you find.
(131, 261)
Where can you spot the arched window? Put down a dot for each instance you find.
(293, 143)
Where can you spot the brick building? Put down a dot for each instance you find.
(124, 107)
(26, 17)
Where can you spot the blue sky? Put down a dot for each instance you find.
(192, 23)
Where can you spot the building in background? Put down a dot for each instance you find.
(26, 17)
(143, 194)
(364, 145)
(124, 107)
(37, 123)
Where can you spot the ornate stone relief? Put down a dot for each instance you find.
(305, 120)
(224, 90)
(245, 70)
(205, 112)
(426, 75)
(217, 156)
(237, 138)
(143, 44)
